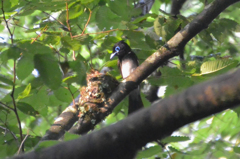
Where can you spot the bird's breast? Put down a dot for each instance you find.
(127, 67)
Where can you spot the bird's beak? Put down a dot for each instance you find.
(113, 54)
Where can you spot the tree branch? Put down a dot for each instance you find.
(176, 6)
(172, 48)
(63, 123)
(125, 138)
(14, 78)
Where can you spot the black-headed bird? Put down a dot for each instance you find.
(127, 63)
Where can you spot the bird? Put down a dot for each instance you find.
(127, 63)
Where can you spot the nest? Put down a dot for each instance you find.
(95, 95)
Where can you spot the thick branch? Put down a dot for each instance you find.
(176, 6)
(63, 123)
(123, 139)
(171, 49)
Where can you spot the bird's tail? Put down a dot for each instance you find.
(135, 101)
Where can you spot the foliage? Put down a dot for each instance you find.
(56, 42)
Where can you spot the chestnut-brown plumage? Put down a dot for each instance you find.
(127, 63)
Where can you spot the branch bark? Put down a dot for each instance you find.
(172, 48)
(125, 138)
(176, 6)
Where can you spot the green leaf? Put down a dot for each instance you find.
(68, 136)
(25, 93)
(29, 50)
(158, 26)
(46, 5)
(71, 79)
(206, 37)
(32, 140)
(4, 56)
(75, 10)
(106, 19)
(155, 7)
(117, 7)
(13, 3)
(173, 149)
(27, 109)
(5, 86)
(175, 139)
(166, 28)
(49, 70)
(141, 18)
(14, 52)
(63, 95)
(216, 65)
(219, 31)
(236, 149)
(6, 80)
(32, 30)
(229, 24)
(54, 102)
(86, 1)
(6, 6)
(149, 152)
(25, 67)
(52, 38)
(11, 148)
(146, 103)
(171, 76)
(38, 100)
(84, 39)
(237, 110)
(122, 105)
(80, 68)
(136, 40)
(71, 44)
(7, 98)
(45, 144)
(111, 63)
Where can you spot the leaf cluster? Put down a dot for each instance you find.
(55, 43)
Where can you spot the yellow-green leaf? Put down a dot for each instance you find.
(217, 65)
(25, 92)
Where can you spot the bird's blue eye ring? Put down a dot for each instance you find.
(117, 49)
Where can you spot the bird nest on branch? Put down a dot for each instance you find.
(95, 95)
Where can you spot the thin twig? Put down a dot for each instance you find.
(74, 55)
(53, 18)
(22, 143)
(163, 146)
(108, 31)
(7, 129)
(56, 51)
(67, 20)
(44, 29)
(6, 106)
(90, 14)
(71, 94)
(90, 52)
(14, 81)
(19, 25)
(79, 27)
(205, 2)
(14, 103)
(4, 18)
